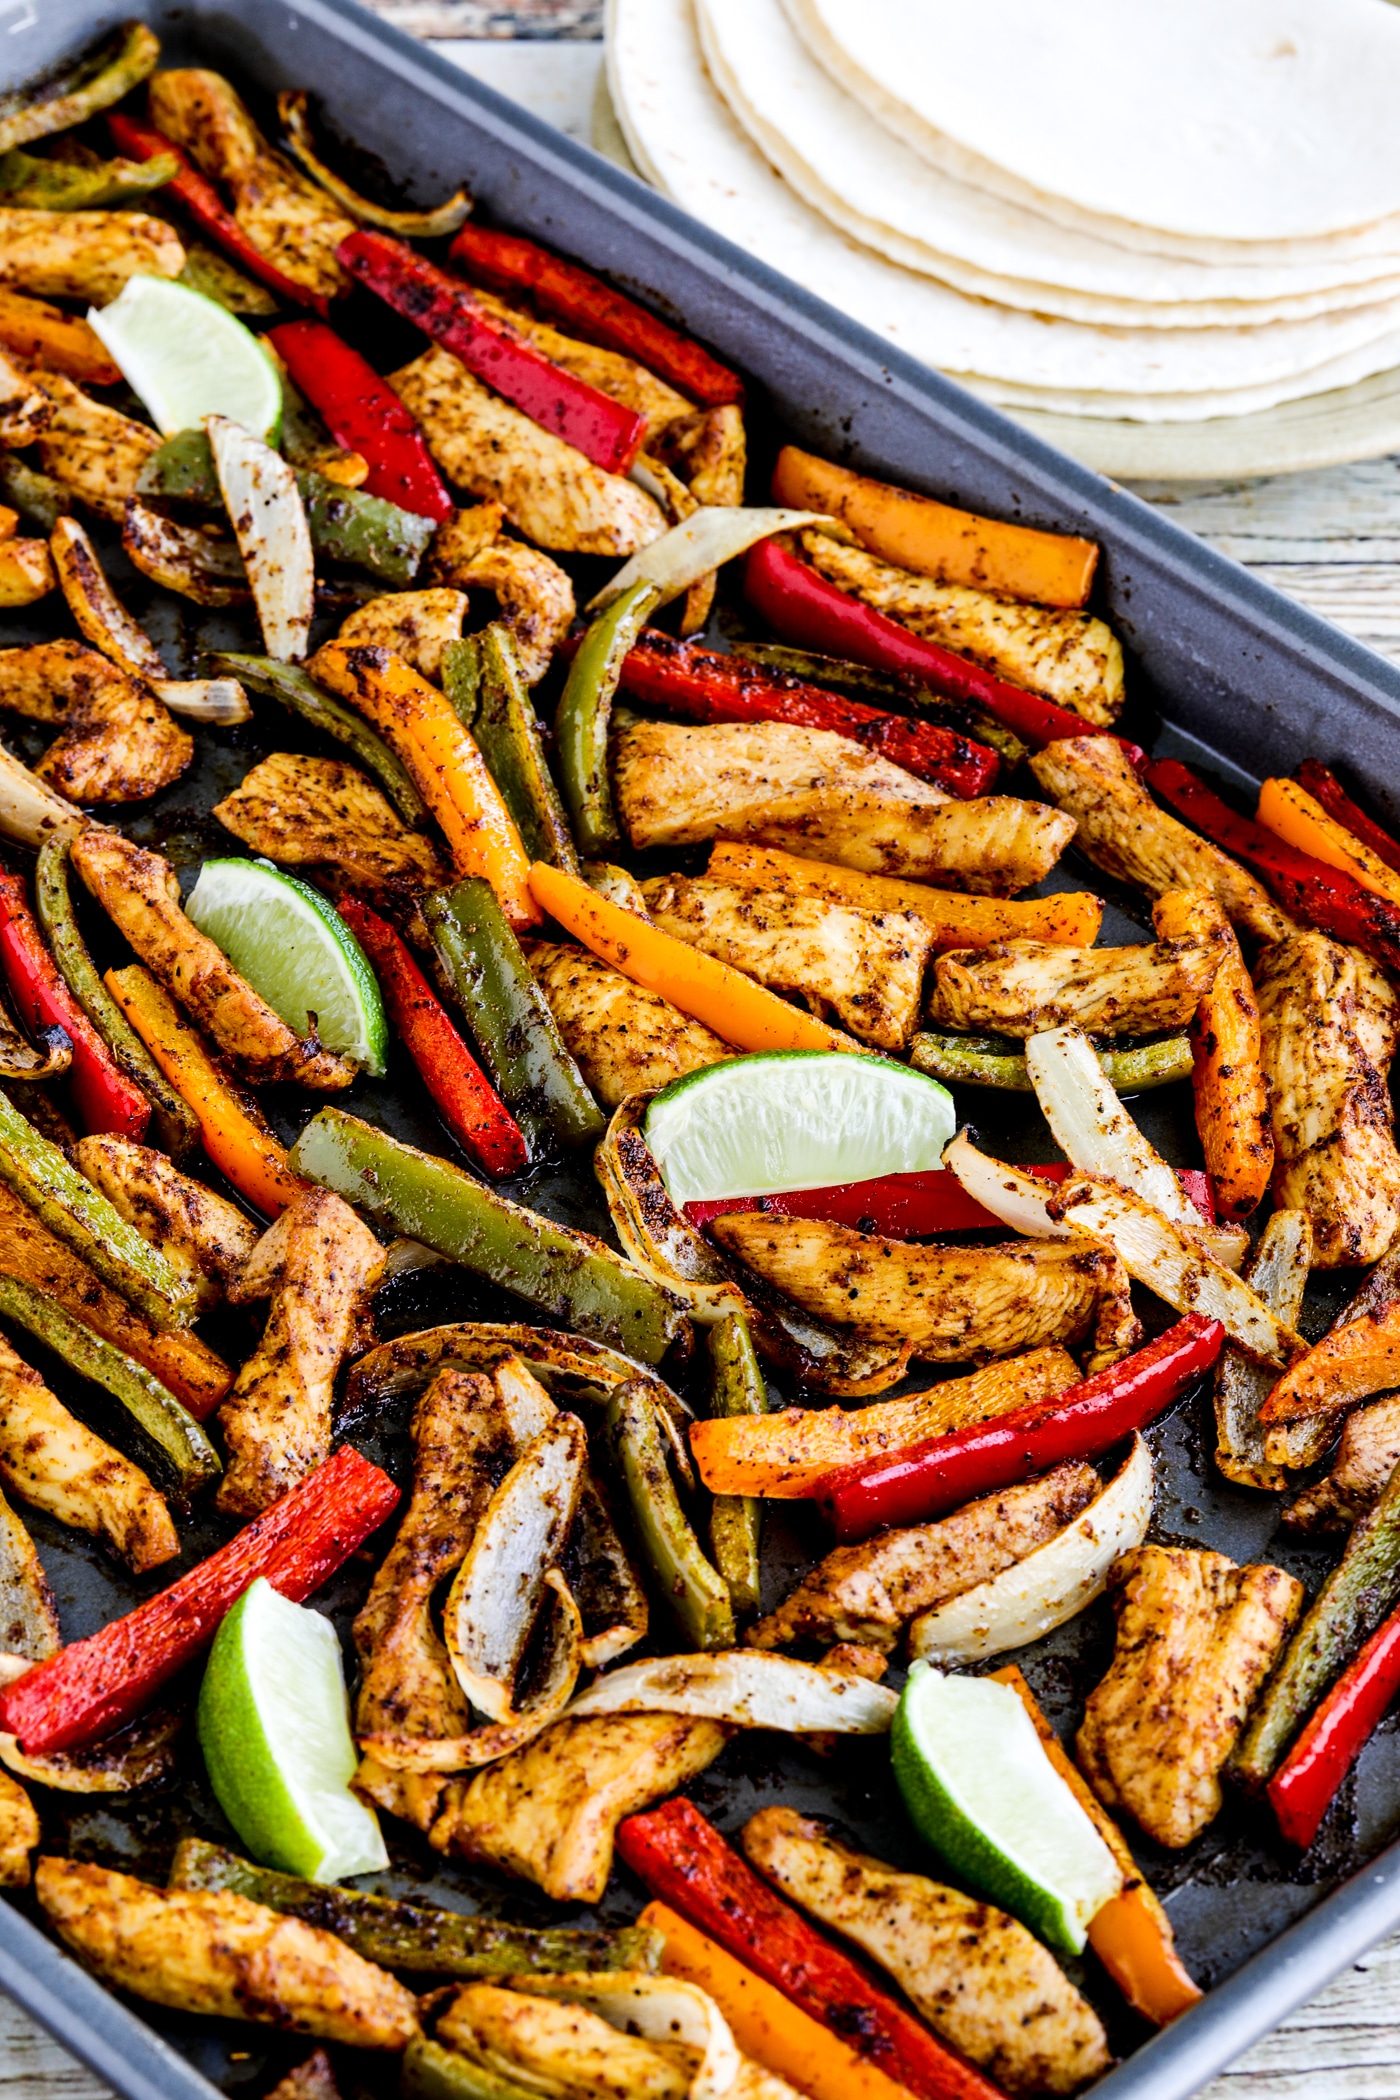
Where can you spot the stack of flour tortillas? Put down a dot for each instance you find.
(1108, 218)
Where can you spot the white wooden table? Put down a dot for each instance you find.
(1329, 539)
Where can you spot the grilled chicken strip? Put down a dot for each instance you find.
(1197, 1636)
(1366, 1457)
(295, 224)
(951, 1304)
(820, 795)
(1329, 1024)
(1021, 987)
(1069, 656)
(117, 743)
(416, 625)
(222, 1957)
(28, 1614)
(318, 1264)
(138, 890)
(87, 255)
(19, 1833)
(50, 1460)
(547, 489)
(562, 2050)
(869, 1593)
(534, 595)
(982, 1982)
(92, 449)
(25, 409)
(1124, 832)
(203, 1236)
(624, 1040)
(549, 1813)
(866, 966)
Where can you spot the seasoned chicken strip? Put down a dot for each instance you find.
(203, 1236)
(50, 1460)
(549, 1813)
(1197, 1636)
(221, 1957)
(28, 1614)
(92, 449)
(318, 1264)
(869, 1593)
(562, 2050)
(1071, 657)
(820, 795)
(548, 490)
(1366, 1457)
(866, 966)
(952, 1305)
(1021, 987)
(416, 625)
(139, 892)
(295, 224)
(535, 596)
(982, 1982)
(1328, 1030)
(25, 409)
(117, 742)
(87, 255)
(625, 1040)
(19, 1833)
(1124, 832)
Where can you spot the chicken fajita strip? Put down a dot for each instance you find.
(1020, 987)
(116, 741)
(625, 1040)
(201, 1234)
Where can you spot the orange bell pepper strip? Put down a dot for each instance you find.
(236, 1141)
(783, 1456)
(769, 2028)
(1131, 1933)
(448, 770)
(45, 335)
(1300, 820)
(1227, 1079)
(955, 921)
(738, 1010)
(9, 523)
(1353, 1360)
(935, 539)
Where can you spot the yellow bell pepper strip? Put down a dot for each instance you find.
(1227, 1076)
(446, 766)
(238, 1144)
(768, 2027)
(1296, 817)
(741, 1012)
(1131, 1933)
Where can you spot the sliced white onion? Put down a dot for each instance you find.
(712, 535)
(30, 810)
(218, 700)
(658, 2009)
(269, 524)
(748, 1688)
(1019, 1200)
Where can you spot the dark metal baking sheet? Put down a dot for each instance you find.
(1243, 681)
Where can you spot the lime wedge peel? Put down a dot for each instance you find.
(796, 1119)
(274, 1726)
(188, 358)
(296, 951)
(982, 1794)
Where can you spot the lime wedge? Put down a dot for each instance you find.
(274, 1727)
(188, 358)
(982, 1793)
(296, 951)
(799, 1119)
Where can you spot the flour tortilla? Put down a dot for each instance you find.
(685, 140)
(874, 187)
(1190, 127)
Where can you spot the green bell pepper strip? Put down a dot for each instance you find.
(28, 183)
(417, 1937)
(461, 679)
(171, 1432)
(75, 1212)
(507, 1013)
(79, 87)
(975, 1060)
(696, 1592)
(431, 2072)
(508, 732)
(174, 1124)
(736, 1521)
(302, 696)
(37, 497)
(569, 1277)
(585, 715)
(901, 695)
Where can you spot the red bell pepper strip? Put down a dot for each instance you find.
(1302, 1789)
(363, 414)
(466, 1100)
(93, 1687)
(909, 1206)
(105, 1099)
(943, 1472)
(1324, 787)
(686, 1863)
(1334, 902)
(605, 431)
(507, 263)
(704, 686)
(807, 611)
(204, 205)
